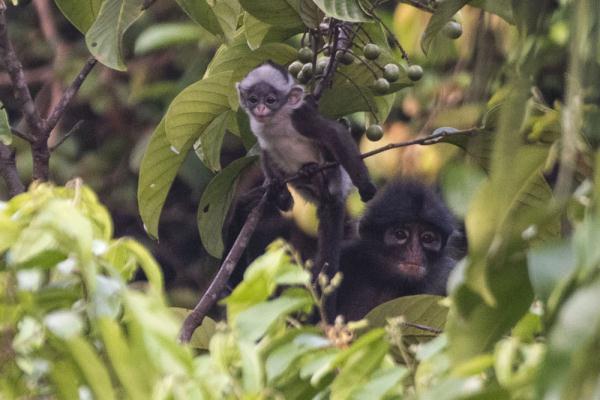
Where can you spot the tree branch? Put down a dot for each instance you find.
(341, 42)
(210, 297)
(68, 94)
(8, 170)
(15, 71)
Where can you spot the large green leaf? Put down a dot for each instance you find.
(258, 32)
(81, 13)
(310, 13)
(200, 12)
(273, 12)
(346, 10)
(215, 203)
(157, 172)
(443, 13)
(92, 368)
(208, 145)
(195, 107)
(254, 322)
(166, 35)
(227, 13)
(419, 309)
(104, 39)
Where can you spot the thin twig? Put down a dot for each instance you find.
(68, 94)
(67, 135)
(8, 171)
(22, 134)
(17, 76)
(425, 141)
(422, 327)
(210, 297)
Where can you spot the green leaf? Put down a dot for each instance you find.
(443, 13)
(146, 262)
(208, 145)
(252, 367)
(227, 13)
(214, 205)
(195, 107)
(92, 367)
(273, 12)
(104, 39)
(346, 10)
(166, 35)
(5, 131)
(9, 232)
(123, 360)
(548, 265)
(261, 279)
(286, 355)
(310, 13)
(157, 172)
(380, 383)
(460, 183)
(254, 322)
(420, 309)
(201, 13)
(258, 32)
(81, 13)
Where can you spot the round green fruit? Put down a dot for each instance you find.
(302, 78)
(371, 51)
(374, 132)
(452, 29)
(381, 86)
(305, 54)
(322, 65)
(414, 72)
(345, 57)
(295, 68)
(391, 72)
(307, 70)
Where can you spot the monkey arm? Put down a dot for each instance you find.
(279, 193)
(337, 141)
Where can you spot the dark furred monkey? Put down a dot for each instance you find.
(294, 137)
(403, 250)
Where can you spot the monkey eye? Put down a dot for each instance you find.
(429, 237)
(401, 235)
(253, 99)
(271, 100)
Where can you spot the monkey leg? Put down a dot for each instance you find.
(331, 213)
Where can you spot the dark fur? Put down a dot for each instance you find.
(371, 276)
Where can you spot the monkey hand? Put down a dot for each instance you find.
(278, 193)
(309, 169)
(367, 191)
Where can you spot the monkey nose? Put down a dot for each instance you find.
(261, 110)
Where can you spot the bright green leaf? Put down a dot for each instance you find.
(166, 35)
(81, 13)
(200, 12)
(157, 172)
(346, 10)
(104, 39)
(214, 205)
(273, 12)
(195, 107)
(92, 367)
(5, 131)
(208, 145)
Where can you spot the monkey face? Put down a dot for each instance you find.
(412, 247)
(262, 101)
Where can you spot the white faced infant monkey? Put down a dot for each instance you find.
(294, 138)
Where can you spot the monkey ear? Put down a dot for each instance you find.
(296, 96)
(239, 91)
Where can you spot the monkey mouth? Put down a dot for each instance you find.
(412, 270)
(261, 118)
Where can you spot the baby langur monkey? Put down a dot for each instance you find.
(294, 138)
